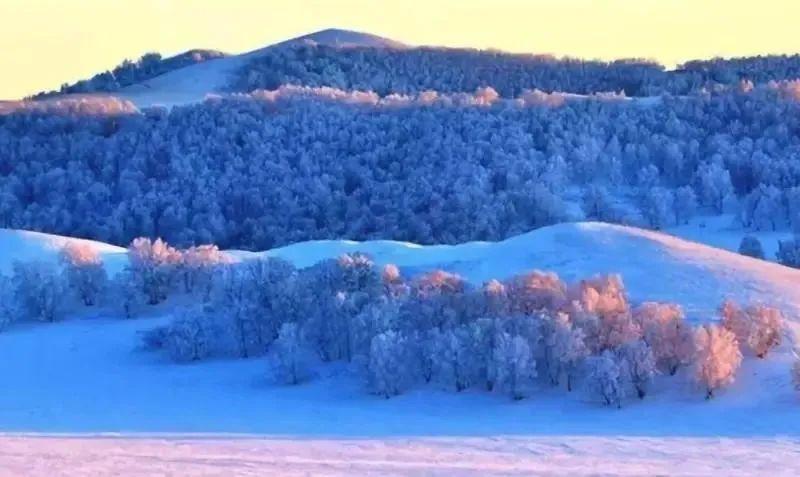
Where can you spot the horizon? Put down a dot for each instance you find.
(72, 44)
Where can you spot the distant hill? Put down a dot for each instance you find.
(190, 76)
(351, 60)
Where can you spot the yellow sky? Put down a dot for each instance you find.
(44, 43)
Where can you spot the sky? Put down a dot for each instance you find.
(45, 43)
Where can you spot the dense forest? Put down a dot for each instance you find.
(273, 167)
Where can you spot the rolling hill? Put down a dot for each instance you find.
(79, 380)
(190, 84)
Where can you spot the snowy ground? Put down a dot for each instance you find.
(80, 400)
(542, 456)
(723, 231)
(85, 377)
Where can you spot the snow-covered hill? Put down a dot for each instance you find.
(24, 246)
(86, 376)
(654, 265)
(192, 83)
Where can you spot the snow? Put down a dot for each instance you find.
(654, 266)
(572, 456)
(71, 384)
(722, 231)
(191, 84)
(23, 245)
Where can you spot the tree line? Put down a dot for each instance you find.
(255, 171)
(514, 336)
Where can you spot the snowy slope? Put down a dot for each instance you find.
(23, 245)
(724, 231)
(192, 83)
(85, 376)
(654, 266)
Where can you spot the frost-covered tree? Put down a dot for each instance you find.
(251, 300)
(796, 374)
(757, 327)
(638, 362)
(716, 189)
(376, 318)
(40, 290)
(598, 204)
(7, 302)
(750, 246)
(197, 267)
(564, 349)
(589, 325)
(513, 366)
(458, 359)
(717, 359)
(154, 266)
(605, 379)
(494, 301)
(84, 271)
(391, 369)
(535, 291)
(332, 294)
(685, 204)
(437, 299)
(789, 252)
(667, 333)
(763, 208)
(291, 360)
(603, 295)
(190, 336)
(393, 282)
(658, 207)
(126, 293)
(765, 328)
(617, 329)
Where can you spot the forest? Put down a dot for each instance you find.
(268, 168)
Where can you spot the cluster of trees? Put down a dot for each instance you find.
(47, 291)
(730, 71)
(511, 337)
(131, 72)
(788, 253)
(414, 70)
(270, 168)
